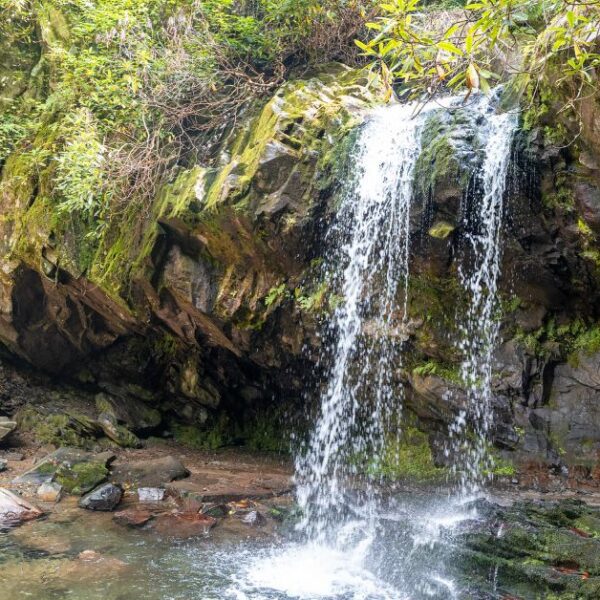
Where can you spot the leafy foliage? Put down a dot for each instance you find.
(139, 88)
(472, 47)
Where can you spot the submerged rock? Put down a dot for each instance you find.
(183, 524)
(104, 498)
(133, 517)
(14, 509)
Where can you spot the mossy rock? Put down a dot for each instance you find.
(80, 478)
(60, 429)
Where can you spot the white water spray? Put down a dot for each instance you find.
(479, 276)
(370, 268)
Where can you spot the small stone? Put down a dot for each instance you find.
(254, 519)
(132, 517)
(151, 494)
(89, 556)
(3, 465)
(103, 498)
(49, 492)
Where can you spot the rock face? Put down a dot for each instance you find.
(191, 319)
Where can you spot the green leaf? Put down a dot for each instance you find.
(449, 47)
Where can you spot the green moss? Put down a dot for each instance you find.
(82, 477)
(211, 436)
(74, 430)
(266, 432)
(408, 457)
(441, 230)
(450, 373)
(500, 467)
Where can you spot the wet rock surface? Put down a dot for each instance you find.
(536, 549)
(104, 498)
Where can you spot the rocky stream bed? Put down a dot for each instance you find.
(185, 524)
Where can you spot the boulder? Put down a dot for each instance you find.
(149, 473)
(6, 427)
(14, 509)
(118, 433)
(76, 470)
(103, 498)
(128, 411)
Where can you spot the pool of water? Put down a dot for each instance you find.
(407, 555)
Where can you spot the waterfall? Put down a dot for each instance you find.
(355, 543)
(479, 273)
(369, 265)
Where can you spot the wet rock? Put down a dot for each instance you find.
(150, 473)
(183, 524)
(118, 433)
(587, 197)
(133, 517)
(6, 427)
(537, 549)
(80, 478)
(14, 509)
(49, 492)
(254, 519)
(76, 470)
(149, 494)
(103, 498)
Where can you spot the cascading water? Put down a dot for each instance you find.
(355, 544)
(479, 274)
(370, 267)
